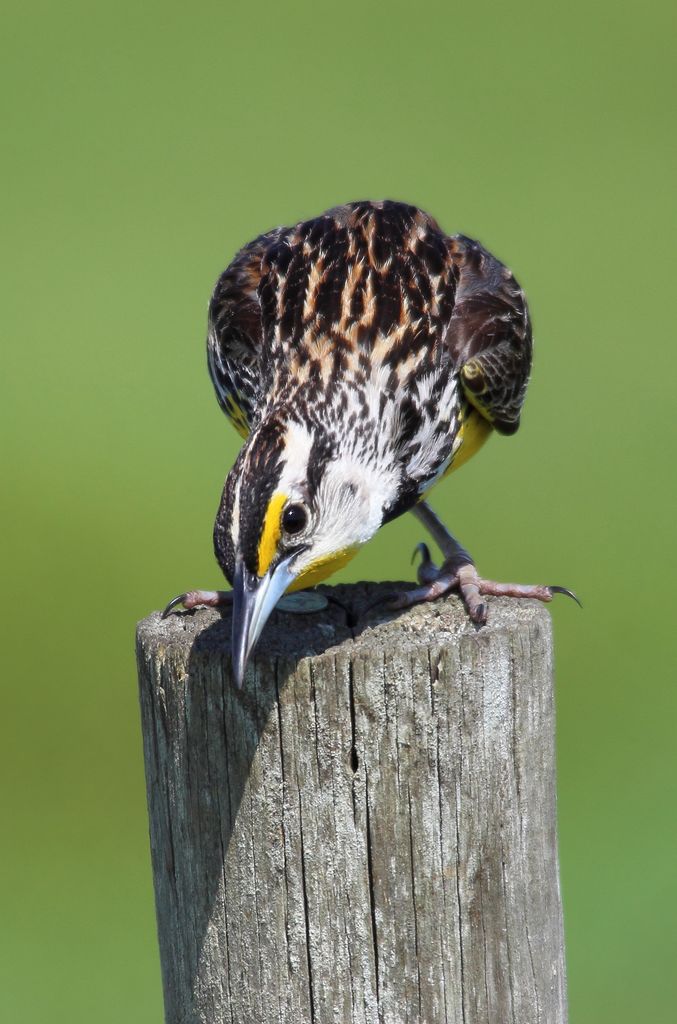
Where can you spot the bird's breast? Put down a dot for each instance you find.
(473, 431)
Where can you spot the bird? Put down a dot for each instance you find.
(363, 355)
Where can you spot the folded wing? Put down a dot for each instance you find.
(234, 337)
(489, 335)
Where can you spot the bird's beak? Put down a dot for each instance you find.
(254, 598)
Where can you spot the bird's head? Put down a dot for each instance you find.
(296, 506)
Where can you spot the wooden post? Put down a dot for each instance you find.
(366, 833)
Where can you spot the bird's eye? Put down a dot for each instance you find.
(294, 519)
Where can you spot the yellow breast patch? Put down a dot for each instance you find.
(473, 432)
(321, 568)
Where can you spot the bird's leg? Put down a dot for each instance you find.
(458, 572)
(302, 603)
(193, 598)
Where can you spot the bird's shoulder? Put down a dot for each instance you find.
(368, 291)
(234, 333)
(489, 335)
(366, 277)
(363, 281)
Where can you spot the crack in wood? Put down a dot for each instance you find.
(362, 836)
(372, 889)
(306, 918)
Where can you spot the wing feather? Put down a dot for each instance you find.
(235, 336)
(489, 335)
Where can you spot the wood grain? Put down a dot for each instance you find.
(366, 833)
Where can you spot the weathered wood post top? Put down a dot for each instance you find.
(366, 832)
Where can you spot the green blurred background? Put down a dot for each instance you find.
(143, 144)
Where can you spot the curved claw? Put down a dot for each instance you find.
(427, 571)
(424, 551)
(179, 599)
(193, 598)
(568, 593)
(382, 601)
(393, 601)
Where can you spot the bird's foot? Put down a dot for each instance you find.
(458, 574)
(301, 603)
(192, 598)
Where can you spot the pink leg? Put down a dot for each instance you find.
(458, 573)
(193, 598)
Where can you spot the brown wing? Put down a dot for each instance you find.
(489, 335)
(235, 334)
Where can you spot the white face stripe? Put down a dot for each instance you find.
(235, 518)
(296, 454)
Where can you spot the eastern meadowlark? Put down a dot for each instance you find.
(363, 355)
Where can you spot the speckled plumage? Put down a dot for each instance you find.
(377, 331)
(362, 355)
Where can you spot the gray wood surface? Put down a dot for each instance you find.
(366, 833)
